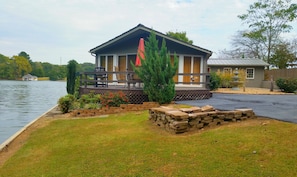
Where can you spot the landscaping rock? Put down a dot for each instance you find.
(187, 119)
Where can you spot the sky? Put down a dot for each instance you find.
(57, 31)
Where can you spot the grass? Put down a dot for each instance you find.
(128, 145)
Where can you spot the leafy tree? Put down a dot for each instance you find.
(71, 76)
(182, 36)
(22, 66)
(37, 69)
(157, 71)
(4, 67)
(282, 56)
(54, 72)
(267, 20)
(25, 55)
(84, 67)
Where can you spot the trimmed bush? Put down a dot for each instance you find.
(215, 81)
(65, 103)
(287, 85)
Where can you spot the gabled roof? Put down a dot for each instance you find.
(141, 29)
(236, 62)
(28, 75)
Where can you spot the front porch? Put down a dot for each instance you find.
(99, 83)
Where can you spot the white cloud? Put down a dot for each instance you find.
(49, 30)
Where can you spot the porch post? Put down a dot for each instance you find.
(115, 63)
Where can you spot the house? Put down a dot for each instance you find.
(121, 50)
(29, 77)
(254, 68)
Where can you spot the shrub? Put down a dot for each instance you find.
(76, 87)
(215, 81)
(226, 80)
(90, 98)
(65, 103)
(287, 85)
(113, 99)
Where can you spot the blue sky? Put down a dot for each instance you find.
(57, 31)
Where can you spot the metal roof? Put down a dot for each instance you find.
(236, 62)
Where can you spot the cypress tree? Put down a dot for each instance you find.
(71, 76)
(157, 71)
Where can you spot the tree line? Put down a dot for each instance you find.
(13, 68)
(267, 21)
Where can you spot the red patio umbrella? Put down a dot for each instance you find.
(140, 52)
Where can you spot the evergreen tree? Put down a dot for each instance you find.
(157, 71)
(71, 76)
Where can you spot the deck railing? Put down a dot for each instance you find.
(103, 78)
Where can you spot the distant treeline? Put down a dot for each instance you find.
(15, 67)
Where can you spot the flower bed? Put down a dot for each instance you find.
(113, 110)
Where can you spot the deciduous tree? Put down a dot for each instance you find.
(25, 55)
(182, 36)
(21, 66)
(282, 56)
(267, 20)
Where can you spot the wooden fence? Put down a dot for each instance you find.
(280, 73)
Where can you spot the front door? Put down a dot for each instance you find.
(187, 69)
(109, 66)
(122, 66)
(196, 69)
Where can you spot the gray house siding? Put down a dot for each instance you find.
(258, 74)
(254, 68)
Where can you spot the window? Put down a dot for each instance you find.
(250, 73)
(227, 70)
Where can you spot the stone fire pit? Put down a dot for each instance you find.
(180, 120)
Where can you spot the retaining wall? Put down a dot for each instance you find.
(186, 119)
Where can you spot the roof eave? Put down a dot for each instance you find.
(142, 27)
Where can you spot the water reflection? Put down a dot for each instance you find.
(21, 102)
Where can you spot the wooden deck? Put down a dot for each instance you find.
(133, 88)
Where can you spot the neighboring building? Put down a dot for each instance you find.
(29, 77)
(121, 50)
(293, 64)
(254, 68)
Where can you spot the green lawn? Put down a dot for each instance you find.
(128, 145)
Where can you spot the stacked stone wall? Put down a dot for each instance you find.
(186, 119)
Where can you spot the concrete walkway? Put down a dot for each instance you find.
(280, 107)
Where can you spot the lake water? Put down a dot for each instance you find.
(23, 101)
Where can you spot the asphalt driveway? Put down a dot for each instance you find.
(280, 107)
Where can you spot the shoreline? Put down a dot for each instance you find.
(7, 142)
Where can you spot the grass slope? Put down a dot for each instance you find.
(128, 145)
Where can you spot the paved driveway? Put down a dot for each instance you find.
(281, 107)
